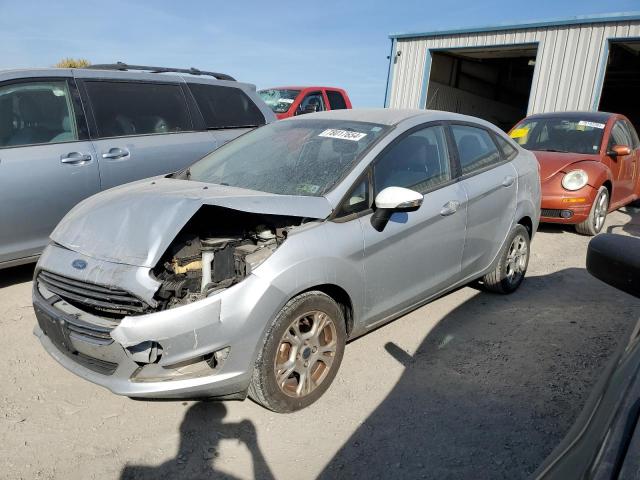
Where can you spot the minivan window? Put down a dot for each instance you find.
(136, 108)
(36, 112)
(476, 149)
(336, 100)
(225, 107)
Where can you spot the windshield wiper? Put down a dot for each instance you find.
(551, 150)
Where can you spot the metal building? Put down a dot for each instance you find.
(502, 73)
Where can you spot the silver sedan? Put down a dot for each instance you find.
(249, 271)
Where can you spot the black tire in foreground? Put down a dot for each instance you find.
(302, 351)
(512, 265)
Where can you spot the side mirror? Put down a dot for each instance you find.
(619, 151)
(391, 200)
(615, 259)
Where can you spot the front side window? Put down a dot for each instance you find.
(279, 100)
(135, 108)
(289, 158)
(35, 113)
(620, 135)
(336, 100)
(226, 107)
(313, 101)
(476, 149)
(554, 134)
(419, 161)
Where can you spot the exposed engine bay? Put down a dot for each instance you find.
(216, 249)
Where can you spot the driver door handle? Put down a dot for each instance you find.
(75, 158)
(508, 181)
(115, 153)
(449, 208)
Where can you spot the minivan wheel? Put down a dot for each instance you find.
(302, 352)
(513, 263)
(597, 216)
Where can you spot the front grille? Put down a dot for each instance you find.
(92, 297)
(547, 212)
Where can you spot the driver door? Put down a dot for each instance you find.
(418, 254)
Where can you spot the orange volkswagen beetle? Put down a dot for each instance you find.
(589, 165)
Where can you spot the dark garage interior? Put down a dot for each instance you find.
(621, 87)
(490, 83)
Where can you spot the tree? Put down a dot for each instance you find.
(72, 63)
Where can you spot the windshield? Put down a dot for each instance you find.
(302, 157)
(279, 100)
(559, 135)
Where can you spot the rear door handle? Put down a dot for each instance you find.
(449, 208)
(508, 181)
(75, 158)
(115, 153)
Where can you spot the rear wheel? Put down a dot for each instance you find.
(301, 355)
(597, 216)
(512, 265)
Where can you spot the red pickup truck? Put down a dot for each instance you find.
(289, 101)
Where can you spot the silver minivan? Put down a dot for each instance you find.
(68, 134)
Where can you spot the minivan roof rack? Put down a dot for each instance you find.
(191, 71)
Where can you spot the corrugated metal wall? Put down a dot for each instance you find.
(567, 75)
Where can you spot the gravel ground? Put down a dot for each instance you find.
(473, 385)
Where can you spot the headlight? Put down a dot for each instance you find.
(575, 180)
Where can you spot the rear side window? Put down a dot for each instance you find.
(128, 108)
(336, 101)
(508, 150)
(226, 107)
(476, 149)
(36, 112)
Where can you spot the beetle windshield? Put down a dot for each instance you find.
(299, 157)
(279, 100)
(551, 134)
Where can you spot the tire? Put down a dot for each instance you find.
(290, 339)
(597, 216)
(512, 265)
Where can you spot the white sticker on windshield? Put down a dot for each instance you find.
(591, 124)
(343, 134)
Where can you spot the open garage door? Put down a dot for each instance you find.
(493, 83)
(621, 87)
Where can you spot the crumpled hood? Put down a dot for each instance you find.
(135, 223)
(553, 162)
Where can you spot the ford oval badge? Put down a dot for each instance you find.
(79, 264)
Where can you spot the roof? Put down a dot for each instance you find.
(588, 116)
(576, 20)
(384, 116)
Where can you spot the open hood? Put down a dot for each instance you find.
(553, 162)
(135, 223)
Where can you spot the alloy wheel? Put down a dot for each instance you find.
(517, 256)
(305, 354)
(600, 211)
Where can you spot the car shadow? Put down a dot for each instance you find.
(15, 275)
(632, 227)
(201, 431)
(494, 386)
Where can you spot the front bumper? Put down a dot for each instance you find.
(233, 319)
(560, 206)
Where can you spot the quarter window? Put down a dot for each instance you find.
(224, 107)
(336, 100)
(128, 108)
(419, 161)
(476, 149)
(357, 200)
(508, 150)
(36, 113)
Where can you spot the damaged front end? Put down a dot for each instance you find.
(179, 328)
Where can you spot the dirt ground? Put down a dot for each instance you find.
(473, 385)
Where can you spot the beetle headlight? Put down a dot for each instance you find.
(575, 179)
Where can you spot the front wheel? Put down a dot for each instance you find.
(512, 265)
(597, 216)
(302, 352)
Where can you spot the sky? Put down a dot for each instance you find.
(336, 43)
